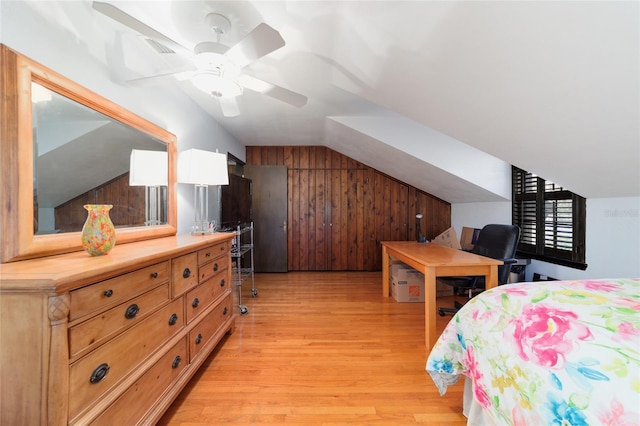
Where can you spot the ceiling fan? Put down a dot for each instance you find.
(218, 68)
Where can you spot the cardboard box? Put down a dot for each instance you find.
(448, 238)
(407, 284)
(468, 237)
(407, 274)
(443, 290)
(411, 290)
(395, 267)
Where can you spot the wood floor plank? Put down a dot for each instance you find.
(320, 349)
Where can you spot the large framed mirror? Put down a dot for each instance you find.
(63, 146)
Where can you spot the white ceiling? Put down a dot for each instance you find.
(443, 95)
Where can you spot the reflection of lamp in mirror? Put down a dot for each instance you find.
(202, 168)
(150, 169)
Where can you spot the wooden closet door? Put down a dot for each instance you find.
(308, 220)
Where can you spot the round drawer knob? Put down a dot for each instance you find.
(154, 275)
(198, 339)
(215, 266)
(186, 273)
(108, 293)
(222, 282)
(195, 302)
(132, 311)
(224, 311)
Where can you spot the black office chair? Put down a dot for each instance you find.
(495, 241)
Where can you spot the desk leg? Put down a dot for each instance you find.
(385, 272)
(430, 334)
(491, 280)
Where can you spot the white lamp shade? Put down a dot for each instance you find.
(200, 167)
(148, 168)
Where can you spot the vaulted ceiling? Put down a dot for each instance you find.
(444, 95)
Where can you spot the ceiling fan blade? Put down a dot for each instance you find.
(287, 96)
(277, 92)
(259, 42)
(178, 74)
(229, 106)
(136, 25)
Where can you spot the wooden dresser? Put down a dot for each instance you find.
(112, 339)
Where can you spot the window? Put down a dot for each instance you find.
(551, 219)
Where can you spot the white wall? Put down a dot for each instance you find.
(62, 35)
(612, 236)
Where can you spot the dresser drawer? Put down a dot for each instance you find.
(184, 273)
(201, 297)
(202, 333)
(91, 333)
(206, 271)
(210, 253)
(96, 373)
(142, 395)
(110, 292)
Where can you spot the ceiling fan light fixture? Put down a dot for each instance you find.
(209, 55)
(212, 83)
(219, 24)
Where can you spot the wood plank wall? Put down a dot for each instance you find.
(128, 205)
(339, 209)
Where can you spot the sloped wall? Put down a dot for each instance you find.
(339, 210)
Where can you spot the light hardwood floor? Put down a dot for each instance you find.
(320, 349)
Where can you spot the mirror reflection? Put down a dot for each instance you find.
(82, 157)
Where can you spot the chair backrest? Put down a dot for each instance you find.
(498, 242)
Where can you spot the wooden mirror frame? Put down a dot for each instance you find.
(17, 240)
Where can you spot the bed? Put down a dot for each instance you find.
(546, 353)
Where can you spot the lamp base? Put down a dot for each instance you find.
(203, 228)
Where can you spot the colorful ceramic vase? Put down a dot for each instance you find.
(98, 233)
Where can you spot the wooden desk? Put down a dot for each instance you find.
(434, 261)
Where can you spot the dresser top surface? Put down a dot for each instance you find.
(58, 273)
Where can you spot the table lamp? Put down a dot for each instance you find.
(201, 169)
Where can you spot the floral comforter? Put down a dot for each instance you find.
(549, 353)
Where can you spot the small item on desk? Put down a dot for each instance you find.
(448, 238)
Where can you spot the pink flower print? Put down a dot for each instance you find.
(626, 332)
(475, 375)
(601, 286)
(515, 291)
(617, 416)
(545, 335)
